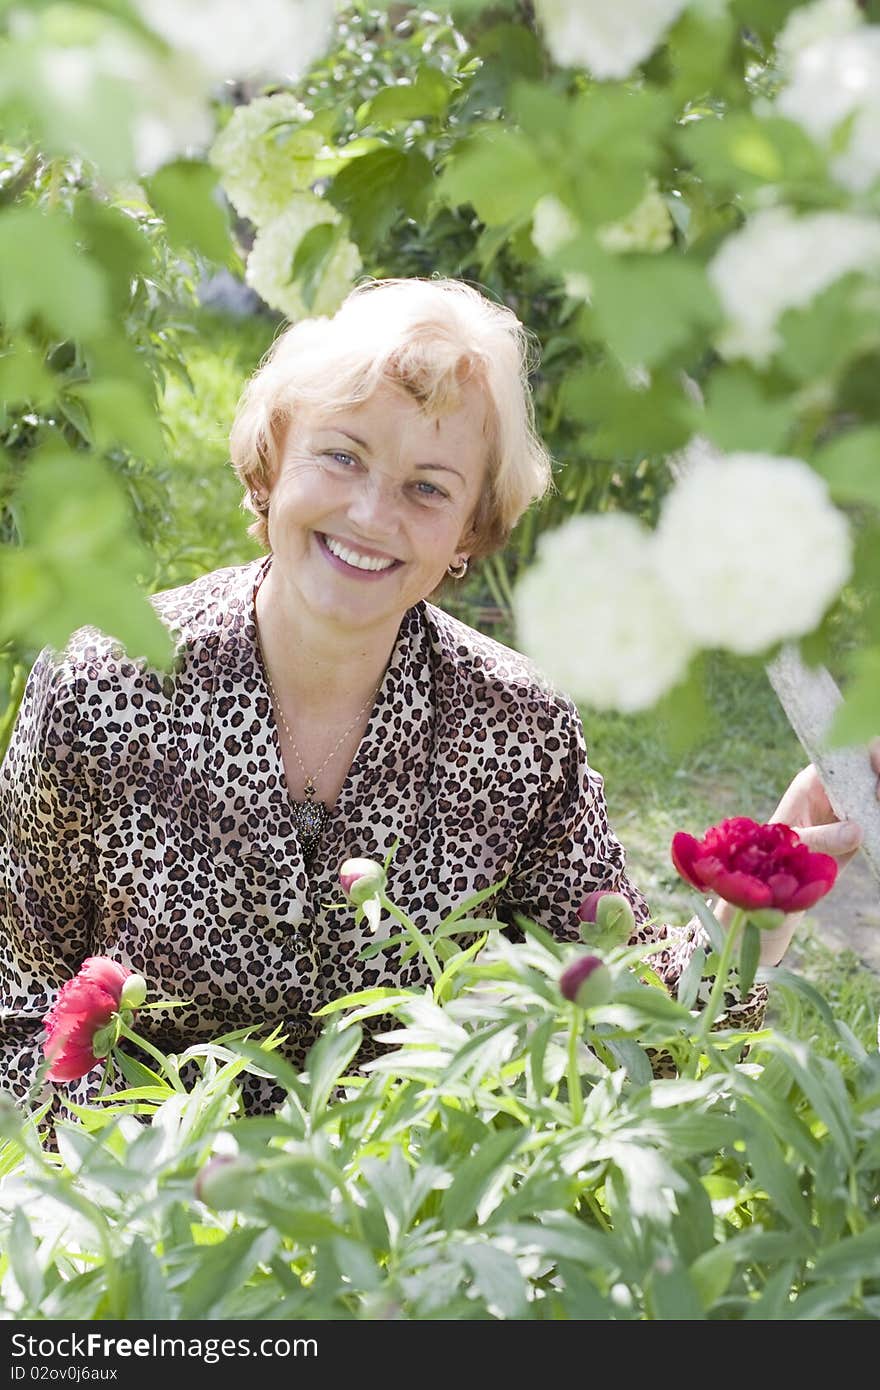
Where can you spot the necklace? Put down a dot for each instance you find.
(309, 815)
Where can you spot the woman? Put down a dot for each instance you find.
(192, 825)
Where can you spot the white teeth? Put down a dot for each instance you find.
(351, 557)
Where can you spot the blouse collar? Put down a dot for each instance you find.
(390, 771)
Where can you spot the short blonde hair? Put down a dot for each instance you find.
(429, 337)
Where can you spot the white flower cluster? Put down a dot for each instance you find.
(779, 261)
(648, 228)
(808, 24)
(608, 39)
(833, 79)
(265, 153)
(752, 551)
(271, 258)
(749, 551)
(590, 614)
(228, 38)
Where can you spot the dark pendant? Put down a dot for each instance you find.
(309, 819)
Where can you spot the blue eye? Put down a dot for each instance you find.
(432, 490)
(337, 454)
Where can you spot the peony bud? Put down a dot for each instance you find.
(134, 992)
(224, 1181)
(586, 982)
(610, 915)
(362, 879)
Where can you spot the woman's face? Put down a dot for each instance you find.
(372, 502)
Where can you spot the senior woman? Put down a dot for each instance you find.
(191, 825)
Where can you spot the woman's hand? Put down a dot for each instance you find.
(806, 808)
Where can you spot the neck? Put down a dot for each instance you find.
(312, 663)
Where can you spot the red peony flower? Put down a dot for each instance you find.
(84, 1004)
(754, 866)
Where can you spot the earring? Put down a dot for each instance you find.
(460, 570)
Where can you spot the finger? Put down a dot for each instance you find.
(843, 837)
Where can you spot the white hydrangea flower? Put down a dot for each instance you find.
(809, 23)
(265, 153)
(608, 39)
(161, 104)
(229, 38)
(553, 225)
(591, 613)
(752, 550)
(648, 228)
(779, 261)
(273, 252)
(831, 80)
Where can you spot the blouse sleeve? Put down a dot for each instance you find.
(45, 864)
(574, 851)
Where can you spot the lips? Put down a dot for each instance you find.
(355, 570)
(361, 550)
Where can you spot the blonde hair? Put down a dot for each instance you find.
(429, 337)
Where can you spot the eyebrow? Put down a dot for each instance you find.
(440, 467)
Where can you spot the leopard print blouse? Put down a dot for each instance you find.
(145, 816)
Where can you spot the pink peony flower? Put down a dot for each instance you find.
(84, 1005)
(754, 866)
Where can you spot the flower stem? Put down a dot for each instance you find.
(575, 1094)
(168, 1068)
(417, 937)
(716, 997)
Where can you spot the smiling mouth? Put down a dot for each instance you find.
(355, 559)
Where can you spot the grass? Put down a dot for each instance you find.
(661, 775)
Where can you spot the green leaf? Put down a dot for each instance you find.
(44, 275)
(374, 188)
(650, 306)
(774, 1303)
(855, 721)
(143, 1292)
(711, 1274)
(850, 465)
(121, 416)
(428, 95)
(632, 1058)
(713, 927)
(780, 978)
(312, 258)
(855, 1255)
(328, 1060)
(671, 1291)
(497, 1277)
(497, 172)
(24, 1260)
(657, 418)
(474, 1176)
(219, 1268)
(741, 414)
(183, 194)
(690, 979)
(839, 325)
(743, 152)
(749, 956)
(774, 1174)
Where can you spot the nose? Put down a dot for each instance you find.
(372, 507)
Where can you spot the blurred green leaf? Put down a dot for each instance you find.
(373, 188)
(428, 95)
(44, 275)
(850, 464)
(184, 195)
(741, 414)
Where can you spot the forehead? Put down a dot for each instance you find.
(391, 409)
